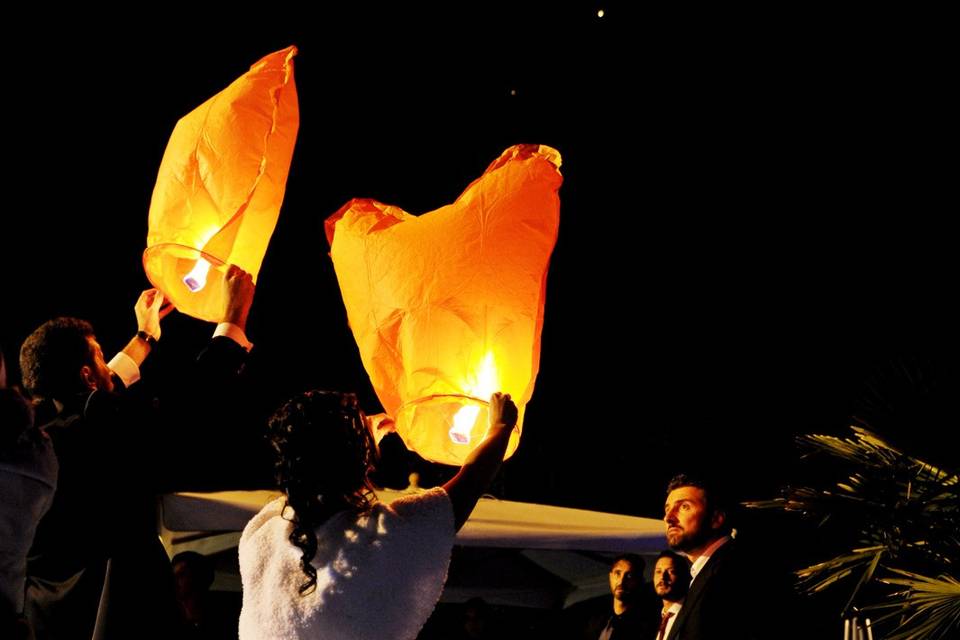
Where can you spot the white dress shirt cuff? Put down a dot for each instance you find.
(125, 368)
(235, 333)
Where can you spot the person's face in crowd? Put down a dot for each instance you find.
(690, 525)
(97, 374)
(665, 579)
(624, 580)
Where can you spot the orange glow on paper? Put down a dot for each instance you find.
(220, 186)
(447, 307)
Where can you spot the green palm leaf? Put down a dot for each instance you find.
(927, 607)
(893, 519)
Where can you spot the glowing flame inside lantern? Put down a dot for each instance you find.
(486, 383)
(197, 278)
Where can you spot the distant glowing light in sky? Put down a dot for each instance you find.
(513, 92)
(600, 13)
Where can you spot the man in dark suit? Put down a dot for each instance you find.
(632, 615)
(97, 568)
(671, 580)
(717, 605)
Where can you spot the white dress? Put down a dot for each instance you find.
(379, 575)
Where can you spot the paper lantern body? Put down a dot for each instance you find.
(447, 307)
(220, 186)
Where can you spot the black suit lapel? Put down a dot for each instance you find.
(698, 587)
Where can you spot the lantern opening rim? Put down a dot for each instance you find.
(209, 257)
(442, 396)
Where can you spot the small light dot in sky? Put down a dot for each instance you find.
(513, 92)
(600, 13)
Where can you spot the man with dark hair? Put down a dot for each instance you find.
(698, 519)
(97, 567)
(671, 581)
(631, 617)
(61, 358)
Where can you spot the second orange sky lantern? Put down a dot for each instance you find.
(220, 185)
(447, 307)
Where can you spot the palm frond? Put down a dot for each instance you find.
(927, 607)
(819, 576)
(892, 519)
(884, 497)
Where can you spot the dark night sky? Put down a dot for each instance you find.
(753, 220)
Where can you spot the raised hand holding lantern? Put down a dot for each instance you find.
(447, 307)
(220, 185)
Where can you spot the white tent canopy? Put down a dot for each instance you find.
(494, 523)
(551, 538)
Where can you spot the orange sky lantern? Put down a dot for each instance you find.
(447, 307)
(220, 185)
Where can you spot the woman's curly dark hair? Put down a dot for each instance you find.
(324, 456)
